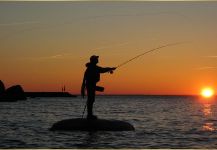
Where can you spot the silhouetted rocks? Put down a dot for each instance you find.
(15, 92)
(2, 87)
(11, 94)
(83, 124)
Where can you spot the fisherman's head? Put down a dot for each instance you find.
(94, 59)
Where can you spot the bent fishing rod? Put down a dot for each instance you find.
(157, 48)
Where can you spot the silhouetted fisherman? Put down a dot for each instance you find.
(91, 77)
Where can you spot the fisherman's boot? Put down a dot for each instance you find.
(89, 111)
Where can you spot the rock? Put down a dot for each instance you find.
(2, 87)
(83, 124)
(16, 92)
(13, 93)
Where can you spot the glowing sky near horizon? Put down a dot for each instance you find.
(44, 45)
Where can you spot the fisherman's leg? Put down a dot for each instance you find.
(90, 101)
(90, 105)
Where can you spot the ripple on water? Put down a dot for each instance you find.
(160, 123)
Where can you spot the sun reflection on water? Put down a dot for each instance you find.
(207, 111)
(209, 126)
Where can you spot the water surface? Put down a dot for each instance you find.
(160, 122)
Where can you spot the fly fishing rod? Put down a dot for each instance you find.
(171, 44)
(125, 62)
(84, 110)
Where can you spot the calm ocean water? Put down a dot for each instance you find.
(160, 122)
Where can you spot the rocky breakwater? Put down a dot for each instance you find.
(12, 94)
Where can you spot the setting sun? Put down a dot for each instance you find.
(207, 92)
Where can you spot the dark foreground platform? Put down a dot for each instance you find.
(83, 124)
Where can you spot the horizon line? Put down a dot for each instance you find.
(119, 94)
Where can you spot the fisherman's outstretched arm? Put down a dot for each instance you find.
(106, 69)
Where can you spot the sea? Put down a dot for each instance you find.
(159, 121)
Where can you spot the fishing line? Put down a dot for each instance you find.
(171, 44)
(84, 110)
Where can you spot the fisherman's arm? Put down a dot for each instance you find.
(106, 69)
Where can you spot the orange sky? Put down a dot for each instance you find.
(45, 45)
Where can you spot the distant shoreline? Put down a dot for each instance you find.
(145, 95)
(49, 94)
(67, 94)
(148, 95)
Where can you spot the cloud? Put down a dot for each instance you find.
(214, 56)
(205, 68)
(18, 23)
(52, 57)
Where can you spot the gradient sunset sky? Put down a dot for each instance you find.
(45, 45)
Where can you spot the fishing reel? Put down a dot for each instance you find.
(112, 71)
